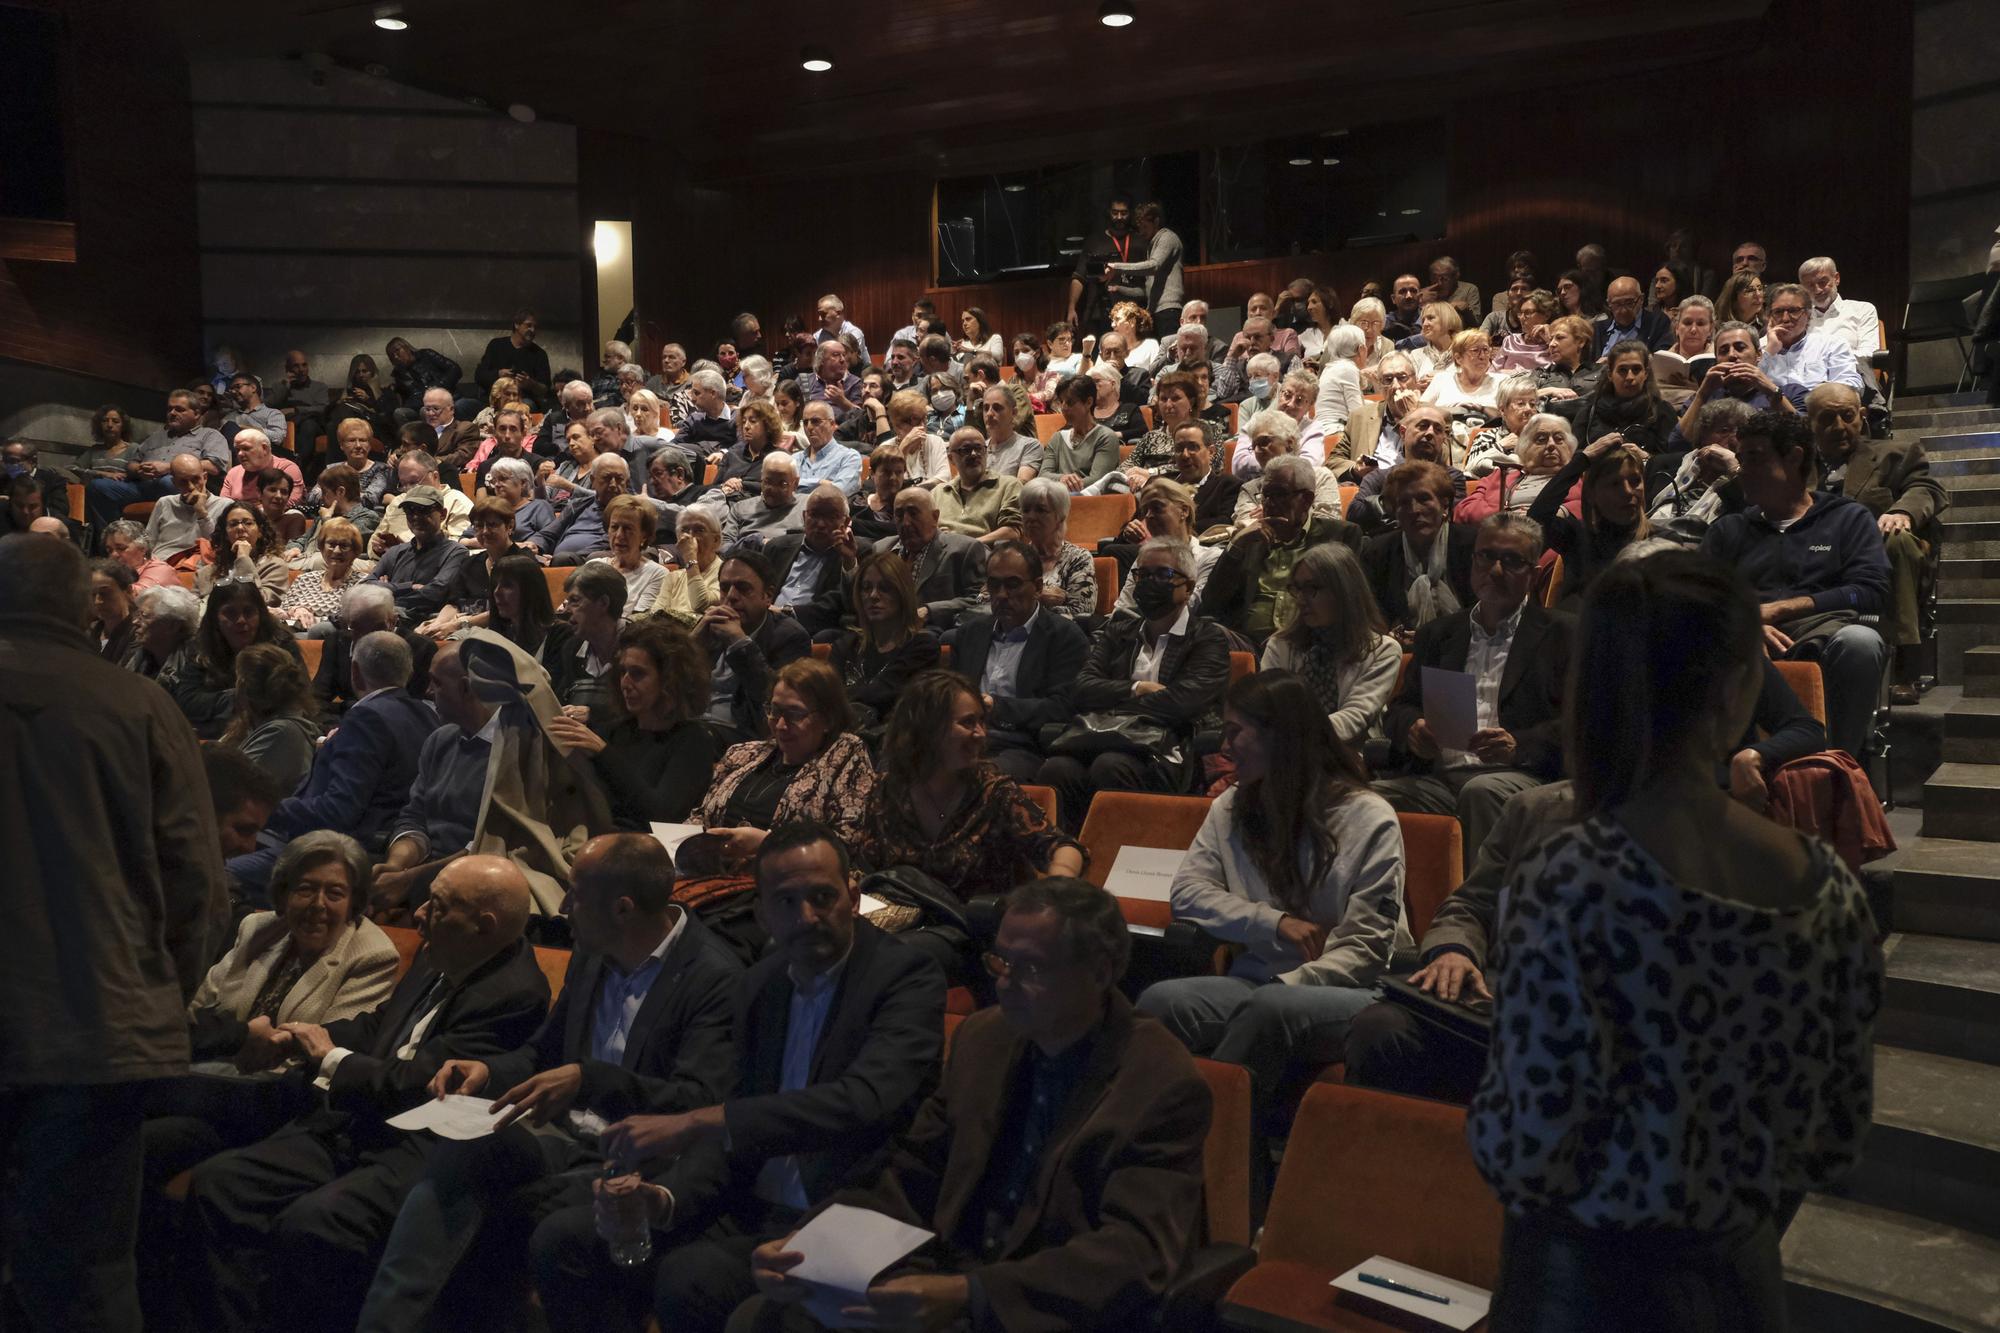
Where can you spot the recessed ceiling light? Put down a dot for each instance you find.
(1015, 188)
(1115, 13)
(817, 59)
(1329, 161)
(389, 19)
(1072, 238)
(1300, 161)
(1411, 212)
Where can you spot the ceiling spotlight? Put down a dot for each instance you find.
(1329, 161)
(816, 59)
(1299, 161)
(1411, 212)
(1015, 188)
(389, 19)
(1115, 13)
(522, 112)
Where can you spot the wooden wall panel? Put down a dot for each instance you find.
(1803, 153)
(129, 308)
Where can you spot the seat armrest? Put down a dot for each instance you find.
(1882, 358)
(983, 915)
(1192, 1297)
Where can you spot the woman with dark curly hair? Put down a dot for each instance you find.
(655, 758)
(204, 685)
(940, 807)
(248, 550)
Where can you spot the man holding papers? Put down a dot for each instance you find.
(1059, 1164)
(837, 1035)
(1517, 656)
(313, 1201)
(642, 1025)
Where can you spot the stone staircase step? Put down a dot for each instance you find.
(1972, 733)
(1934, 1149)
(1853, 1268)
(1946, 419)
(1933, 402)
(1943, 996)
(1974, 530)
(1982, 461)
(1982, 548)
(1945, 886)
(1952, 444)
(1963, 801)
(1981, 672)
(1974, 490)
(1964, 624)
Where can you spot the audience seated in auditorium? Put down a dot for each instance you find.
(1626, 320)
(204, 684)
(1839, 316)
(274, 721)
(1083, 455)
(1425, 436)
(1764, 1107)
(416, 468)
(187, 520)
(163, 647)
(694, 585)
(468, 591)
(1335, 641)
(573, 408)
(114, 623)
(1421, 569)
(420, 572)
(814, 566)
(837, 1040)
(320, 1195)
(1798, 358)
(825, 459)
(1815, 576)
(127, 543)
(577, 533)
(336, 494)
(1300, 866)
(629, 527)
(1150, 681)
(942, 814)
(1082, 1196)
(360, 779)
(1011, 453)
(949, 568)
(516, 353)
(145, 467)
(253, 446)
(1467, 384)
(746, 644)
(581, 650)
(1625, 402)
(1571, 370)
(773, 509)
(1611, 476)
(1737, 375)
(1518, 654)
(642, 1027)
(1512, 469)
(365, 608)
(1022, 655)
(245, 549)
(887, 644)
(1069, 580)
(1248, 589)
(1893, 480)
(1274, 433)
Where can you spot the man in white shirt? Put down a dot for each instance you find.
(1797, 359)
(1855, 323)
(833, 322)
(183, 520)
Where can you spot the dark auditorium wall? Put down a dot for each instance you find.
(1805, 157)
(123, 320)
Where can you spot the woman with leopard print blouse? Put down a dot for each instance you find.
(1684, 997)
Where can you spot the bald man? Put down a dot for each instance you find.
(1626, 319)
(642, 1027)
(1893, 479)
(288, 1229)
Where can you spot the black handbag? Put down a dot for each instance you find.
(1093, 734)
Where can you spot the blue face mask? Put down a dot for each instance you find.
(1261, 390)
(17, 469)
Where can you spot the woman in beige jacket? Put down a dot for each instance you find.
(316, 958)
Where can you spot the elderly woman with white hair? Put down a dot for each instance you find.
(1339, 379)
(1167, 666)
(1370, 316)
(512, 482)
(1273, 435)
(168, 616)
(1545, 444)
(1069, 579)
(1297, 393)
(695, 584)
(1515, 400)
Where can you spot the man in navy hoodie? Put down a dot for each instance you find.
(1817, 563)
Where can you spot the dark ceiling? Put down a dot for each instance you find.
(967, 84)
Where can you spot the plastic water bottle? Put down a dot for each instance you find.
(623, 1225)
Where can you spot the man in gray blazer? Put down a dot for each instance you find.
(1022, 659)
(947, 567)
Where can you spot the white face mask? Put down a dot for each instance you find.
(944, 402)
(1025, 363)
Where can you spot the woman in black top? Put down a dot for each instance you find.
(519, 609)
(1625, 403)
(365, 399)
(888, 646)
(1613, 472)
(235, 618)
(654, 759)
(468, 590)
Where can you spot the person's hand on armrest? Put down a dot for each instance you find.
(1450, 974)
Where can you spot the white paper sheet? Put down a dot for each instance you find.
(1144, 872)
(1451, 706)
(1465, 1307)
(452, 1117)
(671, 836)
(844, 1248)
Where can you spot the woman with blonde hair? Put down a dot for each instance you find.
(1469, 380)
(314, 596)
(1439, 323)
(1130, 320)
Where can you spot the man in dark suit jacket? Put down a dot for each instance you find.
(641, 1026)
(361, 777)
(1060, 1161)
(1022, 659)
(1385, 561)
(1234, 595)
(1519, 655)
(812, 591)
(1629, 319)
(747, 644)
(837, 1035)
(366, 608)
(947, 567)
(312, 1203)
(1179, 682)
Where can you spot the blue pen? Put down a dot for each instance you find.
(1391, 1285)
